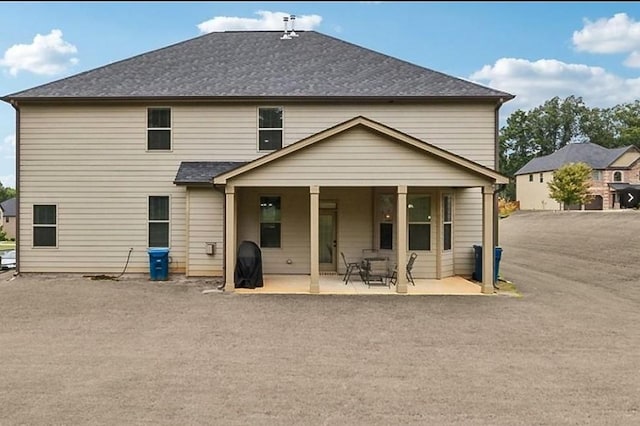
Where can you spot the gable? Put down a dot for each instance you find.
(360, 156)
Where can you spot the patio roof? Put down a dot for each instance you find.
(490, 175)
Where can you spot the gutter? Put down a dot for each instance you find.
(15, 106)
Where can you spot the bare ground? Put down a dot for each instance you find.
(77, 351)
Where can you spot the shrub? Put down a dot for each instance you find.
(506, 207)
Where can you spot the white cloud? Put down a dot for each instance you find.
(533, 83)
(8, 147)
(48, 54)
(614, 35)
(619, 34)
(266, 21)
(8, 181)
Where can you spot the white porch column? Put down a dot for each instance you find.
(401, 240)
(230, 238)
(314, 200)
(488, 250)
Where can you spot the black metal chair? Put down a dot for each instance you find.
(350, 267)
(394, 275)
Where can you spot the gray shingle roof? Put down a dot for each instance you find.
(9, 207)
(596, 156)
(254, 64)
(202, 172)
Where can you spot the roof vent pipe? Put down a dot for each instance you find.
(293, 23)
(285, 36)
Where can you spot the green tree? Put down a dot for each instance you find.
(570, 184)
(6, 193)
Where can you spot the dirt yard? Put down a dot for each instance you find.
(134, 352)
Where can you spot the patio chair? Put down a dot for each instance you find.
(350, 267)
(394, 275)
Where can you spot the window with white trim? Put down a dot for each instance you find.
(596, 175)
(419, 221)
(447, 221)
(159, 221)
(270, 128)
(270, 235)
(541, 177)
(159, 129)
(45, 225)
(617, 176)
(530, 178)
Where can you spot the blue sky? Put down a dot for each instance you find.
(534, 50)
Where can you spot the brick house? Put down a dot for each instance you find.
(613, 169)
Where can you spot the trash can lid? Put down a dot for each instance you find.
(158, 250)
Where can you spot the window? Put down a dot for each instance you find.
(45, 225)
(530, 178)
(158, 221)
(158, 129)
(269, 129)
(270, 222)
(386, 206)
(596, 175)
(617, 176)
(541, 177)
(419, 222)
(447, 221)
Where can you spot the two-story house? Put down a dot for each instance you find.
(308, 146)
(613, 170)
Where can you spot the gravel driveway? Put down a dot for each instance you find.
(77, 351)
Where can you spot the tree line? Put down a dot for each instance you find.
(6, 193)
(558, 122)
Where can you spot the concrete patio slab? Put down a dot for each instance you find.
(333, 284)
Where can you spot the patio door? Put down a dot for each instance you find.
(327, 239)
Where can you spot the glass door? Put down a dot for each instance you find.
(327, 240)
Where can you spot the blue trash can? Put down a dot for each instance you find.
(159, 264)
(477, 273)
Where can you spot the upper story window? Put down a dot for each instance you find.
(541, 177)
(269, 128)
(45, 222)
(596, 175)
(530, 178)
(617, 176)
(159, 129)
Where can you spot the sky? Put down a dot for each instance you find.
(533, 50)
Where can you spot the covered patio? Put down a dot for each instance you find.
(334, 284)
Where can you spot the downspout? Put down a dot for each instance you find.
(496, 212)
(14, 104)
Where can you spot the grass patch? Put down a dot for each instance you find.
(507, 287)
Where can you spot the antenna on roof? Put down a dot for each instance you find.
(293, 22)
(285, 36)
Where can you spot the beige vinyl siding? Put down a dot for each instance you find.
(626, 159)
(467, 229)
(294, 219)
(205, 211)
(355, 221)
(464, 129)
(92, 163)
(535, 195)
(358, 157)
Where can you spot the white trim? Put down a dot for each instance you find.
(170, 129)
(258, 128)
(33, 225)
(449, 222)
(168, 221)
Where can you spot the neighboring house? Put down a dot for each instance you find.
(309, 147)
(8, 217)
(613, 169)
